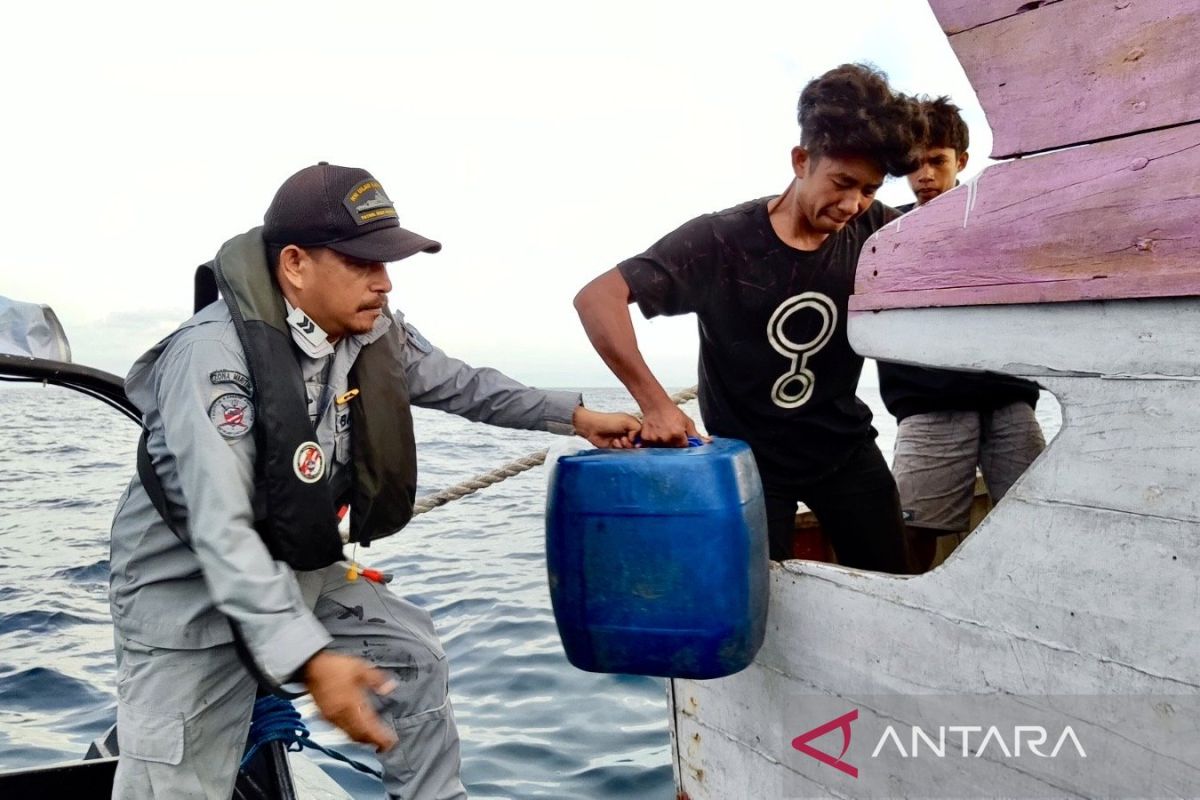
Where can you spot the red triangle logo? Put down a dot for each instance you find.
(842, 722)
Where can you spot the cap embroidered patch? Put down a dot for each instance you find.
(309, 462)
(367, 202)
(233, 414)
(230, 376)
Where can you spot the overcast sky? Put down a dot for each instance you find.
(540, 142)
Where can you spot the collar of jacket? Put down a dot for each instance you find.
(295, 506)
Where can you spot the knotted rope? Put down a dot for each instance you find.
(472, 485)
(277, 720)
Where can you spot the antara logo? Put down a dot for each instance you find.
(842, 722)
(1033, 737)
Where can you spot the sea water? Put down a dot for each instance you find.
(532, 725)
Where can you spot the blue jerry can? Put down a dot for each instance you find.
(657, 559)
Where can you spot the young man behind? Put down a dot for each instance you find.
(769, 281)
(950, 422)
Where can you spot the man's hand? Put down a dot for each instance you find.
(667, 426)
(339, 686)
(605, 429)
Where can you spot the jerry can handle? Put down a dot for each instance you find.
(693, 441)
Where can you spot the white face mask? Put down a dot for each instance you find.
(307, 334)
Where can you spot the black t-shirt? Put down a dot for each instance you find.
(775, 368)
(908, 390)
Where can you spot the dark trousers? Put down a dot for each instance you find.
(858, 508)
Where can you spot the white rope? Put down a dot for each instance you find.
(472, 485)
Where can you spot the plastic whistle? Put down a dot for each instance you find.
(375, 576)
(347, 397)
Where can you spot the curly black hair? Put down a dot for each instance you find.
(852, 111)
(946, 125)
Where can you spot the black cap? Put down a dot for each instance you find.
(344, 209)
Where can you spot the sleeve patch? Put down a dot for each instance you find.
(231, 376)
(233, 414)
(416, 339)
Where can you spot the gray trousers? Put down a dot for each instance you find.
(183, 715)
(937, 453)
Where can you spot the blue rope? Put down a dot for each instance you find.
(277, 720)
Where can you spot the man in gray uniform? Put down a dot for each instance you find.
(267, 413)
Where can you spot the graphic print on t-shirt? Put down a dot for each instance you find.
(776, 369)
(794, 387)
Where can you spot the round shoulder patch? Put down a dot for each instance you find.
(233, 414)
(309, 462)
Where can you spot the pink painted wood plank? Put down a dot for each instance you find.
(956, 16)
(1081, 70)
(1120, 288)
(1111, 220)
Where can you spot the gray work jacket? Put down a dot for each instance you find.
(193, 394)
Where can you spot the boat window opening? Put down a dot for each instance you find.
(810, 542)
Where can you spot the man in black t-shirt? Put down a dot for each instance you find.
(949, 421)
(769, 282)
